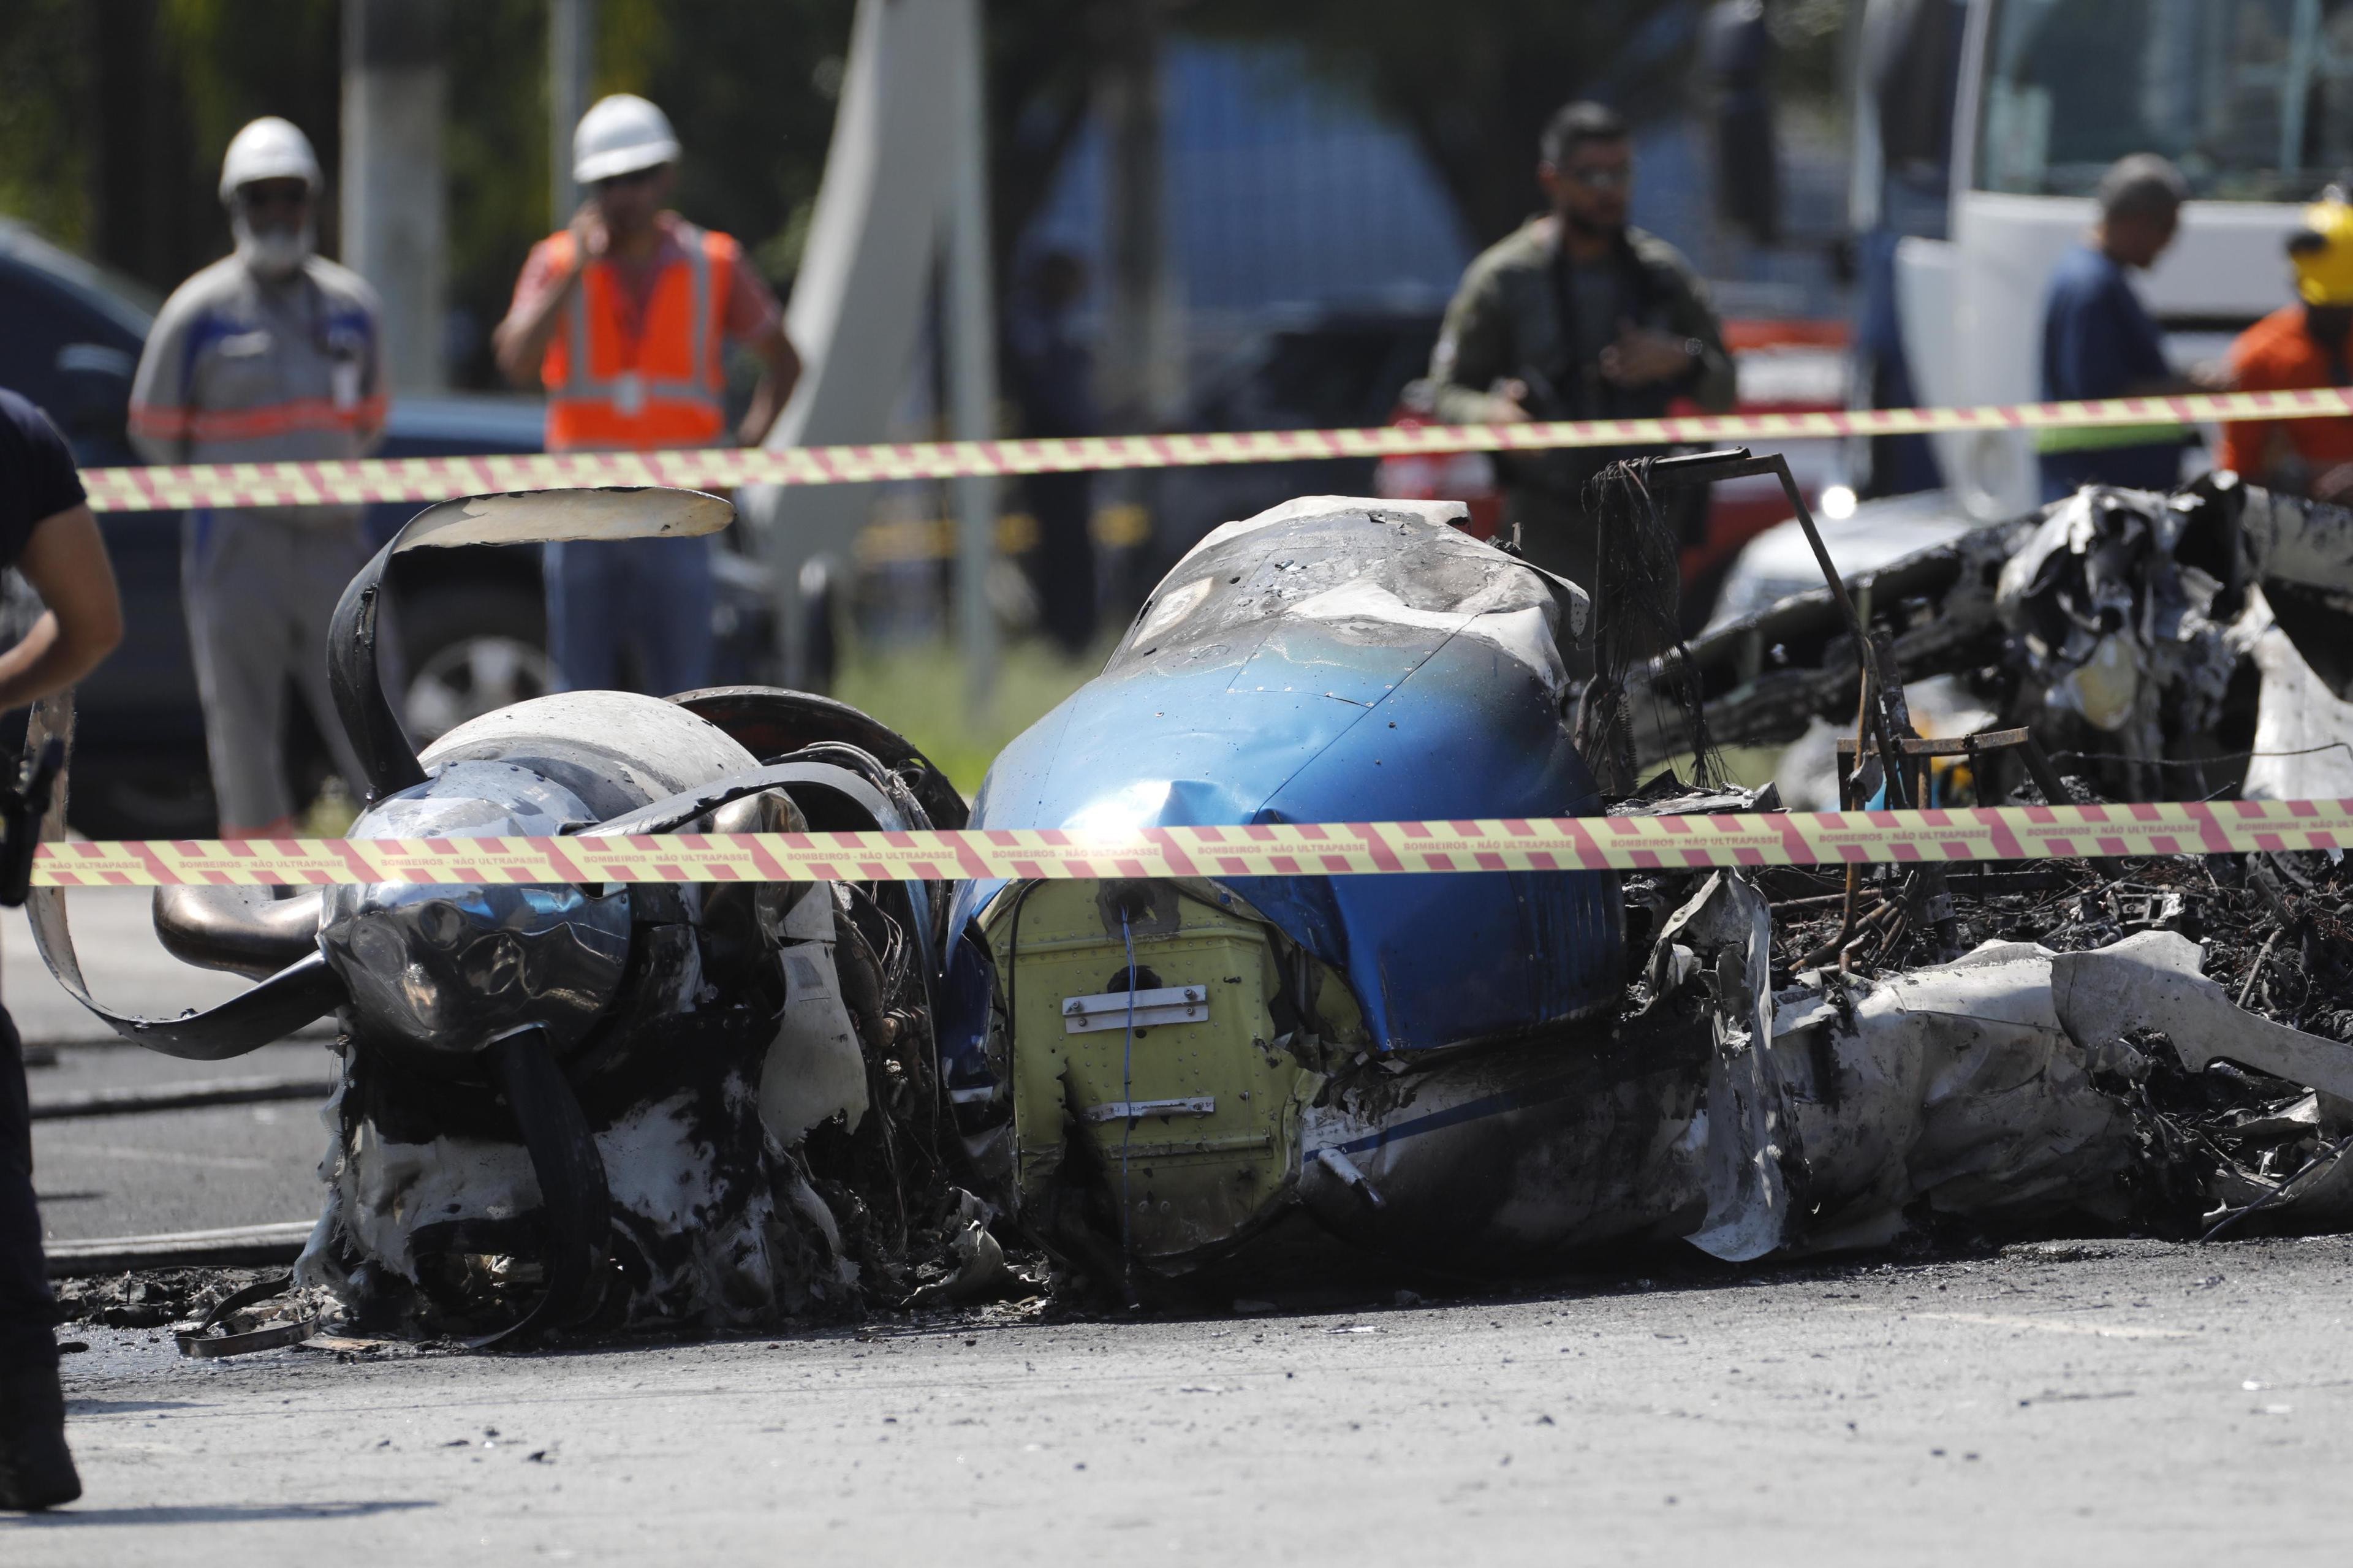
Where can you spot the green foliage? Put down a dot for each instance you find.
(494, 147)
(919, 690)
(235, 59)
(43, 74)
(114, 117)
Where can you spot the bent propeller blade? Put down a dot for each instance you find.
(556, 517)
(516, 517)
(295, 995)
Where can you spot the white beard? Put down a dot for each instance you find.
(274, 253)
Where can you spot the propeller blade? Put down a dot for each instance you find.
(295, 995)
(244, 930)
(771, 720)
(519, 517)
(573, 1189)
(550, 517)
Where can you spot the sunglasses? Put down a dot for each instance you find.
(273, 197)
(633, 178)
(1601, 179)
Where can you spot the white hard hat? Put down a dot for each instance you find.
(269, 149)
(620, 135)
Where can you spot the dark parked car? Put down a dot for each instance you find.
(471, 623)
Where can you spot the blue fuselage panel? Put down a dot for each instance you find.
(1411, 675)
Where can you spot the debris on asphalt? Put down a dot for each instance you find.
(150, 1298)
(604, 1108)
(718, 1109)
(267, 1315)
(2159, 1045)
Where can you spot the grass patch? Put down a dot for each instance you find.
(919, 690)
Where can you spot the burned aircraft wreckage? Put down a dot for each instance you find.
(621, 1103)
(720, 1104)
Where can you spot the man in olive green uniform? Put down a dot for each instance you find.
(1576, 316)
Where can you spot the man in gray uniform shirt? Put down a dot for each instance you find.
(271, 353)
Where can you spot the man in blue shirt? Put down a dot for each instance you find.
(2098, 340)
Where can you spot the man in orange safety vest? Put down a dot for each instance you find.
(624, 317)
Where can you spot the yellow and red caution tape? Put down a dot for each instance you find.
(1288, 849)
(725, 468)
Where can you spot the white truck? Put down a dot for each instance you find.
(2014, 108)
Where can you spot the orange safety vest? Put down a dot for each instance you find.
(2278, 354)
(664, 387)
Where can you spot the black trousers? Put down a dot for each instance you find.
(28, 1313)
(1062, 566)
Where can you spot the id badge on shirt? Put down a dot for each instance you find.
(343, 379)
(628, 395)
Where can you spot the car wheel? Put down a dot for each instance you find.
(471, 650)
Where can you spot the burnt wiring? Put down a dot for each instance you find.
(2319, 1161)
(2344, 746)
(2199, 764)
(883, 992)
(1637, 619)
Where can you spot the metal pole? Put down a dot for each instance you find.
(395, 209)
(972, 360)
(1141, 376)
(570, 59)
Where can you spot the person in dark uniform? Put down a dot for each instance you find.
(1049, 370)
(48, 534)
(2100, 342)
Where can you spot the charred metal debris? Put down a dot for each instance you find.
(2163, 1045)
(592, 1109)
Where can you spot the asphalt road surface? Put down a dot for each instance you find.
(2114, 1402)
(2126, 1402)
(183, 1170)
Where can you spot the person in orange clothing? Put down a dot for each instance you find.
(623, 318)
(2307, 344)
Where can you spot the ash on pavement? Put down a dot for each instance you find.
(2100, 1401)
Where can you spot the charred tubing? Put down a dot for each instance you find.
(573, 1192)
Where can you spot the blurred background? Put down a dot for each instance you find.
(1194, 215)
